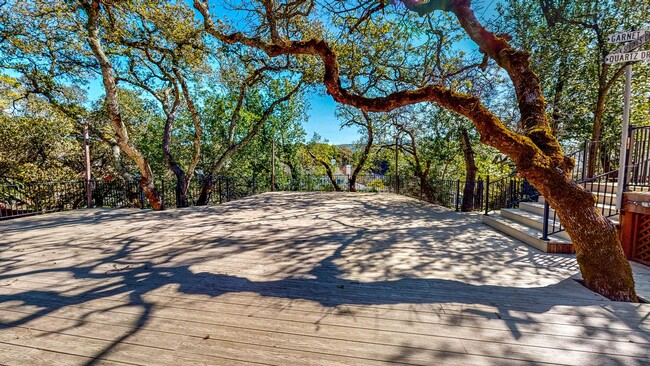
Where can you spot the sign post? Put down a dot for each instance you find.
(624, 54)
(622, 165)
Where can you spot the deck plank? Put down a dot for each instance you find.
(300, 279)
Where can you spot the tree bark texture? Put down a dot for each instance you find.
(470, 172)
(233, 146)
(425, 183)
(364, 157)
(420, 173)
(206, 191)
(536, 152)
(112, 106)
(328, 169)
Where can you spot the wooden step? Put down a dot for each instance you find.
(606, 198)
(610, 187)
(602, 198)
(538, 209)
(532, 220)
(534, 207)
(528, 235)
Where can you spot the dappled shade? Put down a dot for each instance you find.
(291, 278)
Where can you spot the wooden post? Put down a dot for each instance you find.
(273, 165)
(89, 193)
(396, 164)
(622, 167)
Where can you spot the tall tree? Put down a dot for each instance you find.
(93, 11)
(568, 40)
(535, 151)
(253, 107)
(471, 170)
(366, 124)
(158, 60)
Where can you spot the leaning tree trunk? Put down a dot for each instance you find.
(332, 178)
(328, 170)
(599, 252)
(470, 172)
(536, 152)
(112, 106)
(206, 191)
(364, 157)
(425, 185)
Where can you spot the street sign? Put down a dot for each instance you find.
(644, 38)
(626, 36)
(615, 58)
(622, 54)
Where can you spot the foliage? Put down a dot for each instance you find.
(567, 40)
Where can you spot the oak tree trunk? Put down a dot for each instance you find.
(536, 152)
(364, 156)
(425, 184)
(599, 253)
(206, 191)
(181, 192)
(112, 106)
(470, 172)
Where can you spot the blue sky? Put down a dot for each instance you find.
(322, 120)
(321, 115)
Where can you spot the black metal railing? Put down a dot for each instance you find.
(444, 192)
(451, 193)
(605, 184)
(508, 192)
(638, 158)
(594, 158)
(315, 183)
(116, 194)
(602, 186)
(24, 199)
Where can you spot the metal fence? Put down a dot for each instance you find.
(638, 158)
(508, 192)
(24, 199)
(444, 192)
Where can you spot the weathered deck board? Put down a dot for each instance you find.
(298, 279)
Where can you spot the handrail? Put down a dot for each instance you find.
(637, 147)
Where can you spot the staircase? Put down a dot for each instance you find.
(526, 223)
(515, 208)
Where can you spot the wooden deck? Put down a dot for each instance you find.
(298, 279)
